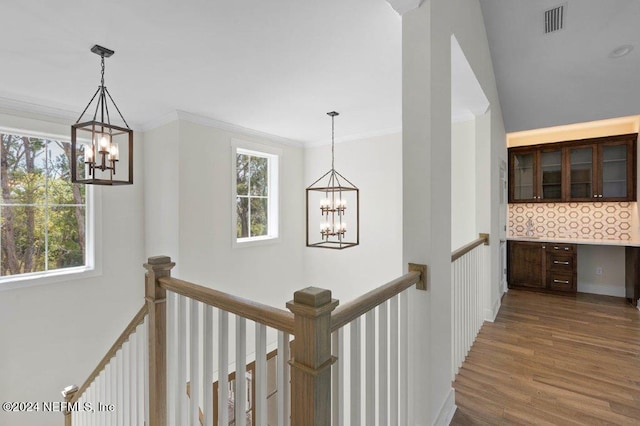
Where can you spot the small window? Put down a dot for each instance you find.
(43, 215)
(256, 195)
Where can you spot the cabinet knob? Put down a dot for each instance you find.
(544, 247)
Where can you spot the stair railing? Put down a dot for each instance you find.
(179, 346)
(467, 292)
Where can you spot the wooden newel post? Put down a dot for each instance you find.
(311, 357)
(67, 394)
(157, 267)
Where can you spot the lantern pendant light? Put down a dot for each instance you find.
(332, 203)
(96, 144)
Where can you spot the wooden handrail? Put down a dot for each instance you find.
(346, 313)
(482, 239)
(128, 331)
(255, 311)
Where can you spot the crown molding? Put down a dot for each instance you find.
(217, 124)
(403, 6)
(36, 110)
(32, 109)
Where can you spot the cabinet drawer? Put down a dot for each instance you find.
(560, 248)
(560, 262)
(561, 282)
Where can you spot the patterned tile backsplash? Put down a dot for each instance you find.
(601, 221)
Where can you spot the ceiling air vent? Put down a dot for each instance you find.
(554, 18)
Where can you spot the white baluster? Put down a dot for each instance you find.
(260, 381)
(140, 395)
(370, 365)
(172, 357)
(393, 362)
(208, 365)
(107, 392)
(240, 399)
(145, 369)
(114, 390)
(181, 403)
(194, 364)
(383, 372)
(284, 389)
(126, 385)
(337, 378)
(223, 367)
(133, 378)
(404, 357)
(120, 386)
(355, 385)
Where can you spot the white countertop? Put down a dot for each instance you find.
(593, 242)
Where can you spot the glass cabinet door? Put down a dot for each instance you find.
(614, 171)
(581, 173)
(551, 172)
(523, 174)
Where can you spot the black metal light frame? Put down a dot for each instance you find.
(100, 158)
(335, 187)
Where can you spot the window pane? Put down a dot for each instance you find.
(242, 174)
(242, 225)
(66, 237)
(259, 175)
(23, 240)
(259, 223)
(61, 190)
(23, 168)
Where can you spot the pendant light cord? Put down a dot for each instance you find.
(332, 144)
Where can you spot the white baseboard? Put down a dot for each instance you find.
(490, 314)
(607, 290)
(447, 410)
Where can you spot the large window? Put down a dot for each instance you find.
(43, 215)
(256, 195)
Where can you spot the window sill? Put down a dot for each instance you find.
(255, 242)
(45, 278)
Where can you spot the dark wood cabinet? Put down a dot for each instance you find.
(536, 175)
(542, 266)
(599, 169)
(526, 261)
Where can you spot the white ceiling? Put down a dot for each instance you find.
(274, 66)
(564, 77)
(278, 66)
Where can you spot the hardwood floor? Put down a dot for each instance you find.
(554, 360)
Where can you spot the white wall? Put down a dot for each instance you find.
(374, 165)
(463, 188)
(198, 220)
(611, 260)
(54, 335)
(427, 176)
(161, 192)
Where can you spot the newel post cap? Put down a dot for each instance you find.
(159, 262)
(312, 301)
(69, 391)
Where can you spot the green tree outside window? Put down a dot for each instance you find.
(42, 214)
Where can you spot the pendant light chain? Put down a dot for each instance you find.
(102, 71)
(333, 156)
